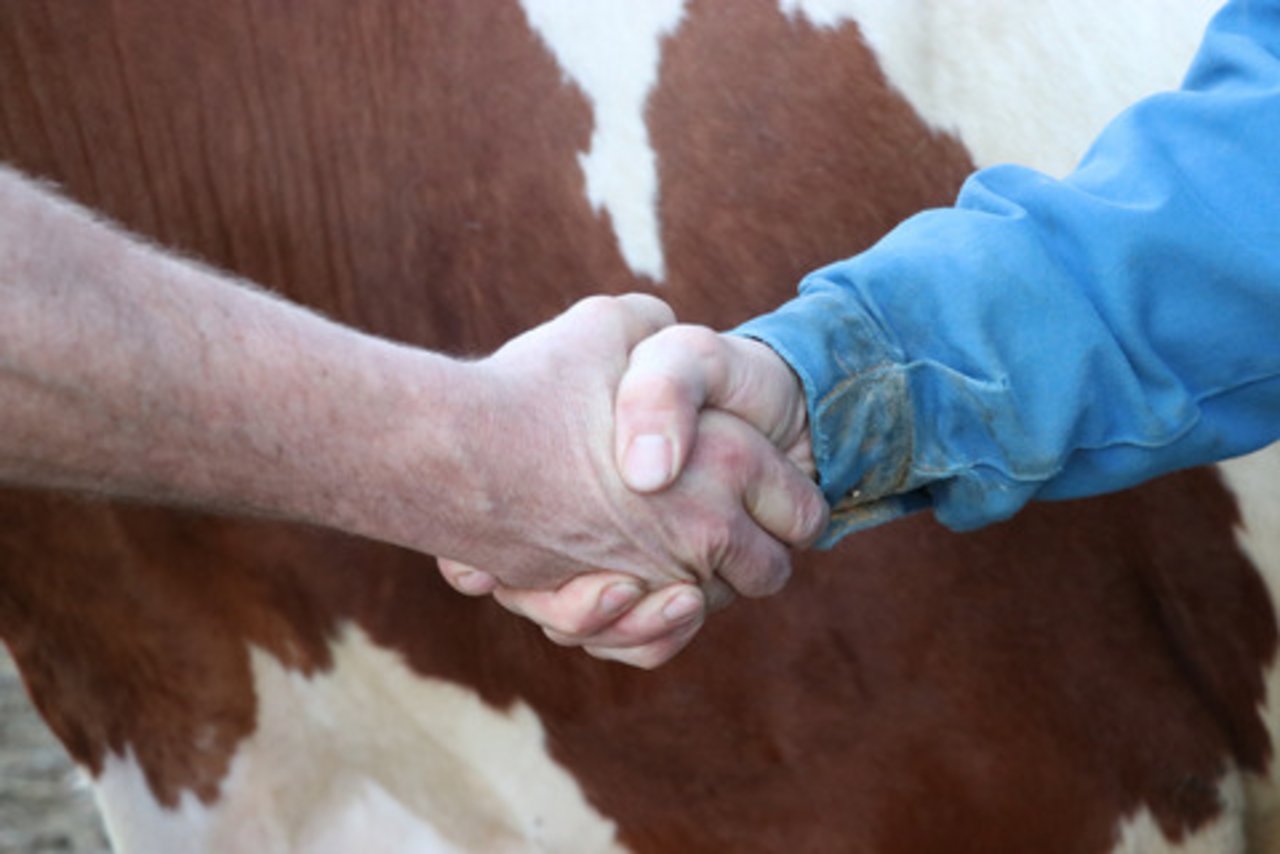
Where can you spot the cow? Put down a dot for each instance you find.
(1092, 676)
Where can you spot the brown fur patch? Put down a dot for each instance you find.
(411, 169)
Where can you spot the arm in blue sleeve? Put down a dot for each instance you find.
(1055, 339)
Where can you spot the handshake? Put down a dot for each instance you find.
(628, 476)
(609, 475)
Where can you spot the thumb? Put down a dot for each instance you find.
(666, 384)
(682, 369)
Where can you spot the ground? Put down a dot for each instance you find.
(44, 804)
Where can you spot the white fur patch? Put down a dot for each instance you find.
(1023, 81)
(368, 757)
(612, 49)
(1224, 835)
(1255, 480)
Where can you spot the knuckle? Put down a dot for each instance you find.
(647, 657)
(658, 653)
(511, 600)
(713, 541)
(758, 572)
(606, 653)
(777, 574)
(719, 595)
(656, 307)
(699, 341)
(595, 302)
(570, 624)
(652, 392)
(466, 579)
(559, 639)
(596, 308)
(725, 452)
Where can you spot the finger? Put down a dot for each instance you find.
(652, 655)
(781, 498)
(717, 593)
(581, 607)
(732, 456)
(677, 372)
(645, 315)
(466, 579)
(761, 388)
(659, 614)
(637, 316)
(753, 563)
(658, 400)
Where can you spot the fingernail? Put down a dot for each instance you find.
(617, 597)
(681, 608)
(647, 464)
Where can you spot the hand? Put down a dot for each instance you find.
(671, 377)
(506, 463)
(641, 630)
(558, 506)
(680, 370)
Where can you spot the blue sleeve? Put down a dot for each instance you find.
(1054, 339)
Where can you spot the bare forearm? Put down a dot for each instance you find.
(126, 371)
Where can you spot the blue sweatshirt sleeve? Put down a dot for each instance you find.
(1055, 339)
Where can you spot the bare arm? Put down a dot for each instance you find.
(126, 371)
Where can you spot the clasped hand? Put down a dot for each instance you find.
(658, 470)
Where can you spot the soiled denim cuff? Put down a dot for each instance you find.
(860, 414)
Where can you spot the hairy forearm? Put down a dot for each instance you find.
(126, 371)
